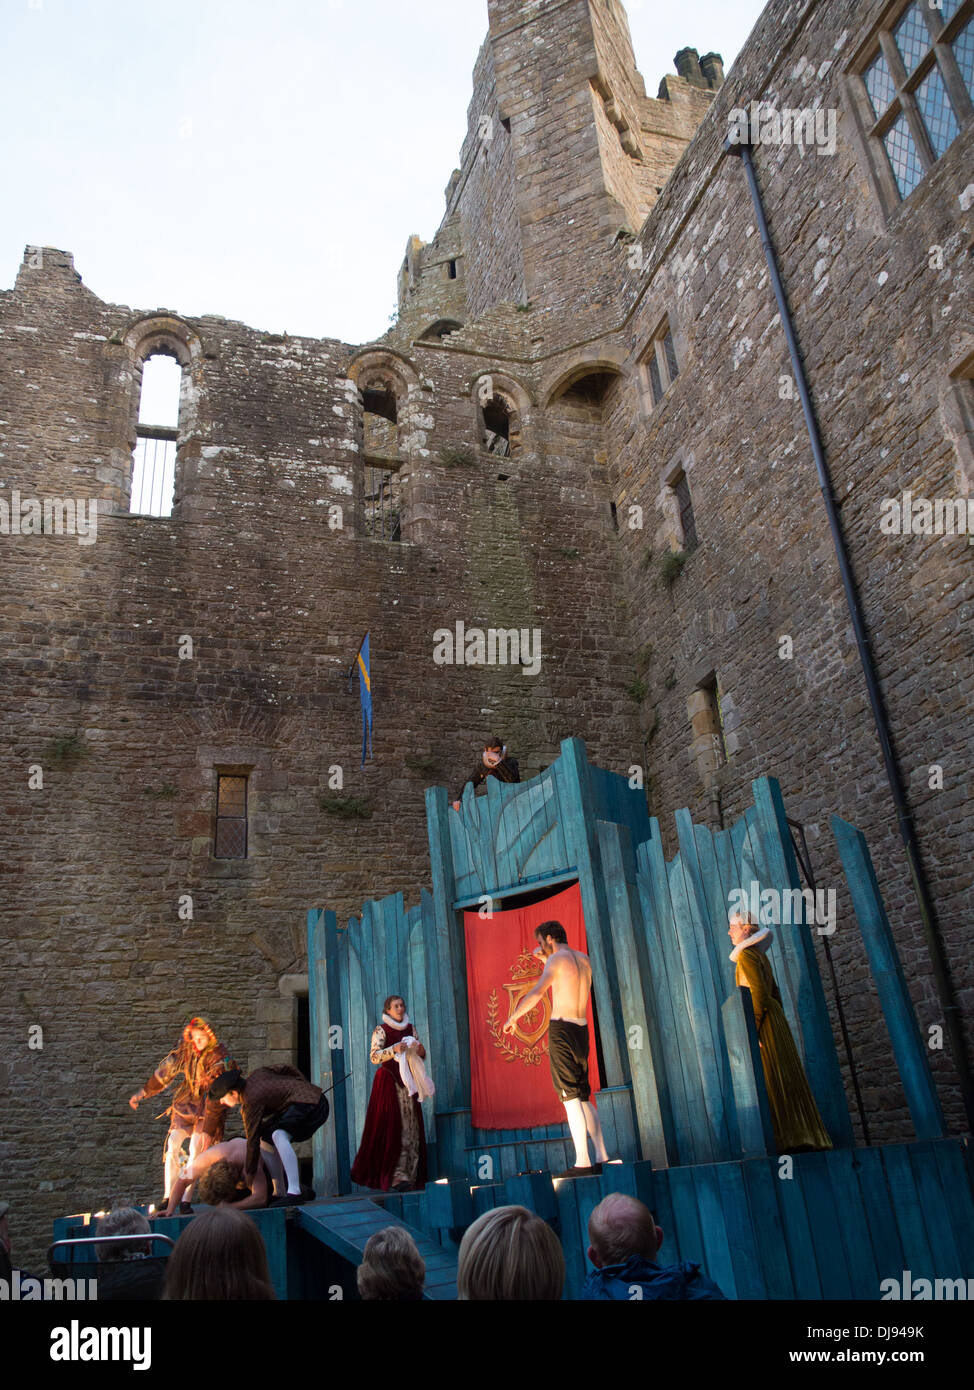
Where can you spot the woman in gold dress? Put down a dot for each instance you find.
(794, 1114)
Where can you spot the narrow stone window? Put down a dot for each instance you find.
(706, 719)
(154, 456)
(658, 367)
(915, 90)
(681, 490)
(231, 817)
(381, 481)
(451, 270)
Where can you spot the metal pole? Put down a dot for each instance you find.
(928, 915)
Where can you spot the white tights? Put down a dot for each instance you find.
(584, 1124)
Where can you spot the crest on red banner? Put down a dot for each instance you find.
(510, 1079)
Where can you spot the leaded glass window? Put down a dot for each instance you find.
(913, 100)
(880, 85)
(231, 817)
(938, 118)
(907, 169)
(963, 50)
(912, 38)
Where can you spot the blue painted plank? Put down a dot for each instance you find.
(683, 1198)
(939, 1216)
(956, 1184)
(717, 1261)
(761, 1183)
(912, 1058)
(843, 1172)
(742, 1244)
(811, 1171)
(575, 1263)
(645, 1062)
(711, 1132)
(798, 1236)
(666, 981)
(917, 1255)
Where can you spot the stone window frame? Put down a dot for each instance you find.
(869, 129)
(957, 413)
(168, 336)
(236, 770)
(671, 532)
(667, 374)
(488, 386)
(398, 376)
(704, 710)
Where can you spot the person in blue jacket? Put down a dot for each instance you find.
(623, 1241)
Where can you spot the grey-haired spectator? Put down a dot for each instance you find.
(127, 1271)
(392, 1268)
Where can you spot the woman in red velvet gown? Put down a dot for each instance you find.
(392, 1153)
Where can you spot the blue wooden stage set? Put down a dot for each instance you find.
(683, 1102)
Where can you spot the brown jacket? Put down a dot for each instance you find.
(266, 1092)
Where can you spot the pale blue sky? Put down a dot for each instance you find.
(264, 160)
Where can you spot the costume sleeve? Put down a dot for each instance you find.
(379, 1052)
(750, 968)
(515, 770)
(214, 1120)
(164, 1073)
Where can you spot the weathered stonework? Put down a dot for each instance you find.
(583, 214)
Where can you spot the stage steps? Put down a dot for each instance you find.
(345, 1226)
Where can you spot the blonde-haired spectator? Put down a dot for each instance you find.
(510, 1253)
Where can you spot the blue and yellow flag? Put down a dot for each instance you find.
(365, 693)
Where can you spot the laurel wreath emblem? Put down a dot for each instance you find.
(531, 1056)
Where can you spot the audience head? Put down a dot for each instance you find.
(219, 1256)
(220, 1183)
(392, 1267)
(123, 1221)
(510, 1253)
(619, 1227)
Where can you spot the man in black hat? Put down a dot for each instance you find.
(278, 1107)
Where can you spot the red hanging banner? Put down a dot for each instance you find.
(510, 1077)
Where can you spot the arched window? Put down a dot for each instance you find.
(381, 483)
(499, 418)
(154, 457)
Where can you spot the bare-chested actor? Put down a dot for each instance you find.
(568, 974)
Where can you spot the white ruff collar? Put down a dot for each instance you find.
(760, 938)
(404, 1022)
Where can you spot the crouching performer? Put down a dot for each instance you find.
(279, 1107)
(220, 1174)
(199, 1059)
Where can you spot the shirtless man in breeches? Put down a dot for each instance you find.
(568, 974)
